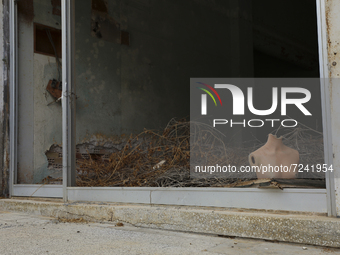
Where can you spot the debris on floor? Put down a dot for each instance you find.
(162, 159)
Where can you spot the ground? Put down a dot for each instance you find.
(29, 234)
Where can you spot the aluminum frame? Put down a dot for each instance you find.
(13, 90)
(36, 190)
(302, 200)
(310, 200)
(322, 38)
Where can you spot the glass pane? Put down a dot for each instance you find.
(134, 62)
(39, 120)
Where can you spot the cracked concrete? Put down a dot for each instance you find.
(295, 228)
(27, 234)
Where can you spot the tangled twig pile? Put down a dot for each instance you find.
(153, 159)
(142, 161)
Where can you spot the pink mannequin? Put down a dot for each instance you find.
(275, 153)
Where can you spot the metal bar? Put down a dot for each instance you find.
(72, 100)
(16, 116)
(64, 21)
(304, 200)
(13, 94)
(325, 102)
(68, 95)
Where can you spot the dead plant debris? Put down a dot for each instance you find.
(162, 159)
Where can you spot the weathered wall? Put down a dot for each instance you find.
(98, 78)
(1, 94)
(124, 89)
(175, 41)
(4, 124)
(333, 40)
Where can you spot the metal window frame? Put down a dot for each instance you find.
(299, 200)
(68, 95)
(13, 90)
(309, 200)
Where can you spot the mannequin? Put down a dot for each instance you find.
(275, 153)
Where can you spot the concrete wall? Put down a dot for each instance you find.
(332, 67)
(1, 93)
(4, 67)
(124, 89)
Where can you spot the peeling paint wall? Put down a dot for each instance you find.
(4, 99)
(1, 96)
